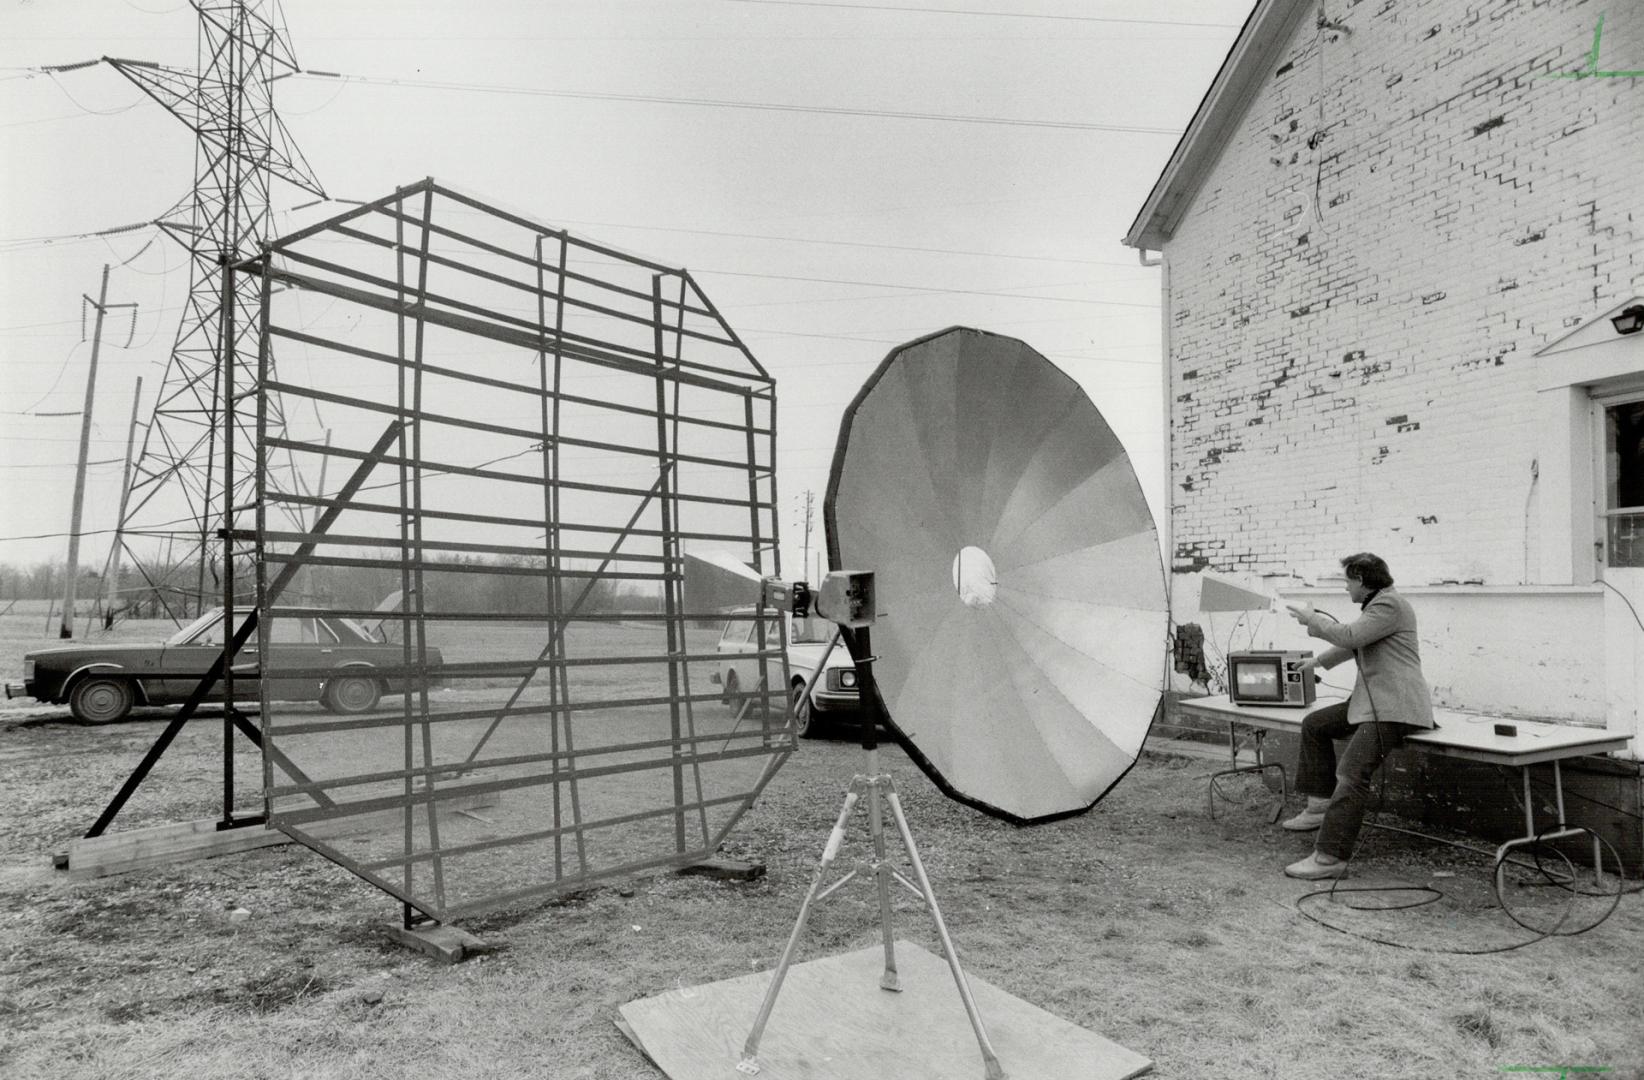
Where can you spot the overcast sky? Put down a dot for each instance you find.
(827, 231)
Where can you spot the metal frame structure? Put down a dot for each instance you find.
(533, 428)
(241, 149)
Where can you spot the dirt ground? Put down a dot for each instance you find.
(1143, 920)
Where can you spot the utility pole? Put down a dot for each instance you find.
(66, 629)
(111, 568)
(810, 506)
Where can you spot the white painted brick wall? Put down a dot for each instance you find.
(1355, 371)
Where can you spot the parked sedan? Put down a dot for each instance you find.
(330, 660)
(737, 671)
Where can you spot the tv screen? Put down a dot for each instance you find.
(1257, 680)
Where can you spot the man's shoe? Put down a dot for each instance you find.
(1311, 869)
(1306, 821)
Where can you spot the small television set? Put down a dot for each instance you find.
(1269, 677)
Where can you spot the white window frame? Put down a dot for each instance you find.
(1602, 513)
(1576, 377)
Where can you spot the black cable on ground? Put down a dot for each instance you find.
(1433, 895)
(1501, 857)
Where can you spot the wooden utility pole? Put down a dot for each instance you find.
(111, 568)
(810, 509)
(66, 628)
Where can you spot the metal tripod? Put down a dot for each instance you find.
(880, 791)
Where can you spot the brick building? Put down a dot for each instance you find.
(1393, 240)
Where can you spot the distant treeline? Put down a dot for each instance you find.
(44, 581)
(514, 585)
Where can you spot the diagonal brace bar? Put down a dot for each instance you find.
(372, 458)
(562, 620)
(212, 677)
(215, 674)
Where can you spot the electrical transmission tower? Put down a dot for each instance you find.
(174, 500)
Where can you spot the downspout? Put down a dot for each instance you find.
(1165, 385)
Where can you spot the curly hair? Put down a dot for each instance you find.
(1368, 570)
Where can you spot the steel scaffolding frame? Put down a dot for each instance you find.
(614, 765)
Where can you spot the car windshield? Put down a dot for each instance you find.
(811, 630)
(365, 632)
(204, 630)
(195, 627)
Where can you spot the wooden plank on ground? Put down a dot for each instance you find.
(446, 943)
(135, 849)
(724, 869)
(833, 1021)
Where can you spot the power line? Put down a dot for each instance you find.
(935, 289)
(988, 14)
(63, 464)
(47, 120)
(792, 364)
(34, 439)
(156, 11)
(96, 532)
(61, 370)
(757, 106)
(55, 81)
(111, 231)
(853, 243)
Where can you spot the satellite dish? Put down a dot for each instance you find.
(1020, 643)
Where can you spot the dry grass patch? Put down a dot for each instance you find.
(1169, 933)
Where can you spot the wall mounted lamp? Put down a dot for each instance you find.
(1630, 321)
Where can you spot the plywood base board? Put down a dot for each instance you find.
(157, 845)
(833, 1022)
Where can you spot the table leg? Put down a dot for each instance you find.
(1558, 795)
(1261, 766)
(1531, 836)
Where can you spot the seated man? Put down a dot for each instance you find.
(1389, 700)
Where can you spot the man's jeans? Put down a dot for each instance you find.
(1345, 783)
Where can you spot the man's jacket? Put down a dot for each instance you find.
(1390, 686)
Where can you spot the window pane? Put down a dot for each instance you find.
(811, 629)
(291, 631)
(1624, 483)
(1626, 544)
(1624, 455)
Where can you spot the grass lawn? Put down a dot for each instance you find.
(1143, 920)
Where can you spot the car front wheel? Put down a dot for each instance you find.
(348, 694)
(805, 723)
(101, 700)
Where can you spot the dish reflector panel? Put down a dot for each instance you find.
(1022, 613)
